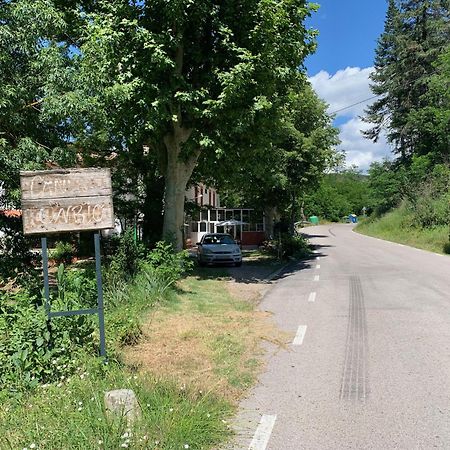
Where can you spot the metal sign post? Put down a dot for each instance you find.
(99, 310)
(64, 200)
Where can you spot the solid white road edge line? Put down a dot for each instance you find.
(312, 297)
(263, 432)
(316, 278)
(298, 340)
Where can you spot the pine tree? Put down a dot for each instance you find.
(416, 33)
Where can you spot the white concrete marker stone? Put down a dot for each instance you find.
(262, 433)
(123, 403)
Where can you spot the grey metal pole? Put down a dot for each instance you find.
(45, 271)
(101, 317)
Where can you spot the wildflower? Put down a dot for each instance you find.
(186, 445)
(80, 408)
(156, 442)
(100, 442)
(92, 399)
(135, 377)
(125, 435)
(148, 405)
(80, 403)
(124, 445)
(171, 409)
(59, 385)
(99, 419)
(208, 415)
(32, 445)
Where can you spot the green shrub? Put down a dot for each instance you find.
(430, 211)
(288, 246)
(16, 260)
(33, 350)
(63, 252)
(124, 262)
(447, 248)
(166, 265)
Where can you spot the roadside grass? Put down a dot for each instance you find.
(394, 226)
(209, 339)
(188, 352)
(72, 415)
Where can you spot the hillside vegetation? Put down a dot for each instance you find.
(411, 204)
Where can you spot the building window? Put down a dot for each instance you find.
(195, 227)
(213, 215)
(202, 227)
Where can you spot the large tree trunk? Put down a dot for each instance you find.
(177, 174)
(270, 212)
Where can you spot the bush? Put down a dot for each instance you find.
(124, 262)
(62, 253)
(288, 246)
(447, 248)
(16, 259)
(430, 212)
(165, 264)
(33, 350)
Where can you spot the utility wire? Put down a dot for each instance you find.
(354, 104)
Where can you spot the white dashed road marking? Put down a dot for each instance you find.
(316, 278)
(318, 266)
(262, 433)
(312, 297)
(298, 340)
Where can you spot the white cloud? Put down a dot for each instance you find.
(343, 89)
(347, 93)
(359, 150)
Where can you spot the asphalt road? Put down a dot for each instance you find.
(369, 362)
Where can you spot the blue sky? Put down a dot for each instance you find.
(339, 70)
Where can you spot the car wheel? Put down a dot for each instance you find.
(238, 264)
(201, 263)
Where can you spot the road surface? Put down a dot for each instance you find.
(368, 366)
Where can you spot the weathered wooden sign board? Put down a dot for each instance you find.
(64, 200)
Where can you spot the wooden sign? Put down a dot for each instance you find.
(61, 200)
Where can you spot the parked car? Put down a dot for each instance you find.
(218, 248)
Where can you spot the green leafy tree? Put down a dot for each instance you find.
(30, 53)
(289, 155)
(179, 77)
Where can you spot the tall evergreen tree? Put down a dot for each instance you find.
(416, 33)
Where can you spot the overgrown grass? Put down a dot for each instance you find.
(72, 415)
(188, 351)
(396, 226)
(209, 338)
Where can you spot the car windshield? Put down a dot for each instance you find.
(218, 239)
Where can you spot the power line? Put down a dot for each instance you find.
(354, 104)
